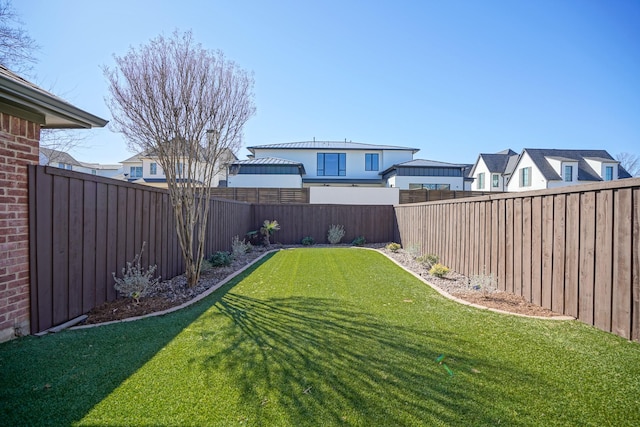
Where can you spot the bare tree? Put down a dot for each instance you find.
(630, 162)
(16, 47)
(173, 99)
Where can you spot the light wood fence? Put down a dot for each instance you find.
(574, 250)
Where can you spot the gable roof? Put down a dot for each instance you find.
(267, 161)
(57, 156)
(502, 162)
(22, 98)
(329, 145)
(585, 172)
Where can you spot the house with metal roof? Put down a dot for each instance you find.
(537, 169)
(427, 174)
(319, 163)
(491, 171)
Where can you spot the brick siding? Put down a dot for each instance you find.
(19, 141)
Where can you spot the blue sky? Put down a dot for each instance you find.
(452, 78)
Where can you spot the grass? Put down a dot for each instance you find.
(323, 336)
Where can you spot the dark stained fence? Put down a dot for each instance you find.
(83, 228)
(573, 250)
(421, 195)
(375, 223)
(264, 195)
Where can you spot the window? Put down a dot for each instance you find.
(608, 173)
(371, 162)
(525, 177)
(94, 172)
(429, 186)
(332, 164)
(135, 172)
(153, 168)
(568, 173)
(481, 181)
(179, 169)
(495, 180)
(65, 166)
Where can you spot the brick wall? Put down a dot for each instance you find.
(19, 139)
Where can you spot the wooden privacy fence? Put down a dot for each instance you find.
(574, 250)
(422, 195)
(83, 228)
(263, 195)
(375, 223)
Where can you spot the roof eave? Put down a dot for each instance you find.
(58, 113)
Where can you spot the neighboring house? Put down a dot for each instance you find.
(426, 174)
(62, 160)
(317, 163)
(491, 171)
(551, 168)
(144, 168)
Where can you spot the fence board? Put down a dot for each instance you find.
(536, 250)
(102, 240)
(604, 250)
(526, 248)
(517, 246)
(635, 268)
(587, 257)
(621, 292)
(559, 242)
(75, 244)
(501, 245)
(572, 255)
(508, 235)
(88, 254)
(547, 251)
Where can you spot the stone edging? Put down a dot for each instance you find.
(470, 304)
(233, 275)
(184, 304)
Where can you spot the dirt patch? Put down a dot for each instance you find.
(171, 293)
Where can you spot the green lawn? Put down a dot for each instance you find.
(323, 337)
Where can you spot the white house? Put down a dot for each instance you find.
(491, 171)
(426, 174)
(144, 168)
(317, 163)
(537, 169)
(63, 160)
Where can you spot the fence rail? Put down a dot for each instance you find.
(83, 228)
(573, 250)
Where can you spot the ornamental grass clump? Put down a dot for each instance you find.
(136, 281)
(428, 260)
(240, 247)
(335, 234)
(359, 241)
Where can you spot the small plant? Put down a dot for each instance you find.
(393, 247)
(413, 250)
(335, 234)
(359, 241)
(308, 241)
(439, 270)
(136, 281)
(484, 283)
(240, 247)
(220, 259)
(428, 260)
(254, 238)
(267, 230)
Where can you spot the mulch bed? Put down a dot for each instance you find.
(171, 293)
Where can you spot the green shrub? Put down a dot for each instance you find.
(394, 247)
(428, 260)
(439, 270)
(308, 241)
(335, 234)
(359, 241)
(240, 247)
(220, 259)
(136, 281)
